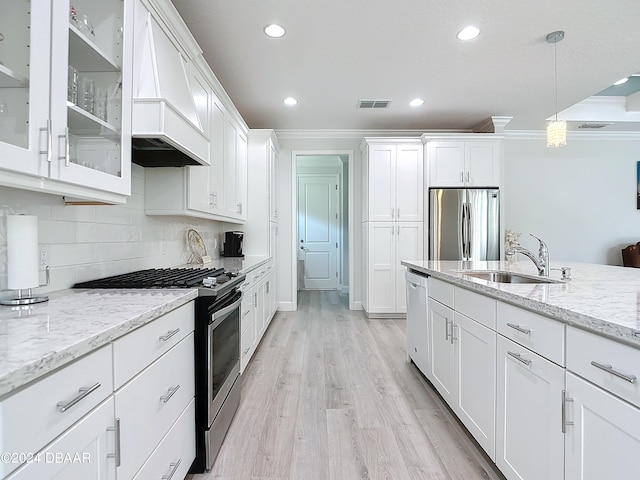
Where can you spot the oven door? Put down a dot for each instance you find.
(223, 351)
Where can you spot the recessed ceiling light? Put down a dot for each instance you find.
(416, 102)
(290, 101)
(275, 31)
(622, 80)
(468, 33)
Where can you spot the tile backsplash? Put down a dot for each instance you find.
(88, 242)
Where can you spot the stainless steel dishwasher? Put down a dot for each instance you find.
(418, 320)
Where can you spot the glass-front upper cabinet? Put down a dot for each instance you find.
(90, 93)
(25, 31)
(65, 95)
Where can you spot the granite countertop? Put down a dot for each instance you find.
(601, 298)
(38, 339)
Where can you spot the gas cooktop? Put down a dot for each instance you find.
(211, 280)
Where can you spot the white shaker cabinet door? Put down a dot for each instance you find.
(604, 440)
(529, 438)
(382, 183)
(475, 360)
(84, 452)
(409, 183)
(442, 373)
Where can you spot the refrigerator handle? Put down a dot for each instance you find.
(469, 231)
(463, 228)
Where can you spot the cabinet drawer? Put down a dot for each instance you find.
(480, 308)
(247, 310)
(136, 350)
(147, 408)
(43, 402)
(441, 291)
(176, 451)
(543, 335)
(607, 363)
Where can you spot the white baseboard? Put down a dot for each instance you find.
(357, 305)
(285, 307)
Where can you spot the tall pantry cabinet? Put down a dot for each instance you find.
(393, 221)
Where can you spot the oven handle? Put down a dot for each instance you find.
(218, 316)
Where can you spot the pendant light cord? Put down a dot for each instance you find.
(555, 71)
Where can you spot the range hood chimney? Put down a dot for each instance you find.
(166, 128)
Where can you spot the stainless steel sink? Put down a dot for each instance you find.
(507, 277)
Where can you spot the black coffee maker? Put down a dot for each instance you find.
(233, 244)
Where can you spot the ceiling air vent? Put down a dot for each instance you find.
(594, 125)
(373, 103)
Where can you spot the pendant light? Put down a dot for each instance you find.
(556, 129)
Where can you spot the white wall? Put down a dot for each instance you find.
(580, 199)
(89, 242)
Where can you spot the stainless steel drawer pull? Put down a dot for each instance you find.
(83, 392)
(170, 393)
(609, 368)
(518, 357)
(446, 329)
(116, 455)
(169, 334)
(519, 328)
(174, 467)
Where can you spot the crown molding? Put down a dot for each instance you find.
(541, 135)
(294, 134)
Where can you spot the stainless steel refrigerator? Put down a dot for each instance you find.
(464, 224)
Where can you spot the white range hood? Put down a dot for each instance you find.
(166, 128)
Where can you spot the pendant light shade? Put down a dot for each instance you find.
(556, 129)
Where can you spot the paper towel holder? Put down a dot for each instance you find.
(28, 299)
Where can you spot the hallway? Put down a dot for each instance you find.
(329, 395)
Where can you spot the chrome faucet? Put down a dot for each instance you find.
(541, 261)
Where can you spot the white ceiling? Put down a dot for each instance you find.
(338, 51)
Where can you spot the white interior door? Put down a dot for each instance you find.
(318, 230)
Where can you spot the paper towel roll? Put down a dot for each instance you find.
(22, 251)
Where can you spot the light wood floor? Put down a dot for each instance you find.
(329, 395)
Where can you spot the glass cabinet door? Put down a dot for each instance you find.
(91, 114)
(24, 85)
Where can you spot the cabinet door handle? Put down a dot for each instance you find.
(446, 329)
(246, 350)
(519, 328)
(116, 455)
(66, 157)
(518, 357)
(169, 334)
(398, 212)
(244, 314)
(174, 467)
(611, 370)
(49, 148)
(393, 213)
(467, 176)
(83, 392)
(453, 332)
(255, 299)
(565, 423)
(170, 393)
(398, 229)
(461, 177)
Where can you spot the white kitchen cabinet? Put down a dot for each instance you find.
(54, 138)
(418, 320)
(475, 374)
(529, 438)
(393, 187)
(257, 309)
(389, 243)
(463, 359)
(464, 163)
(442, 372)
(215, 192)
(154, 399)
(84, 452)
(603, 433)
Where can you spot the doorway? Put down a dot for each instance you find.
(322, 221)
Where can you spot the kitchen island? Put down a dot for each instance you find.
(543, 375)
(601, 298)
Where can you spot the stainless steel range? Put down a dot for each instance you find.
(216, 345)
